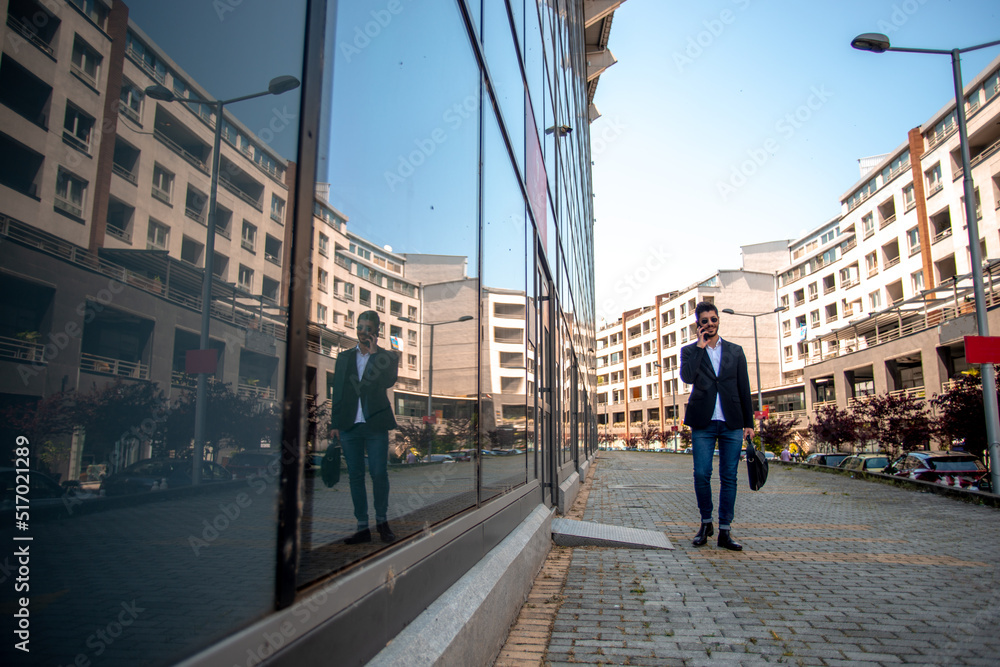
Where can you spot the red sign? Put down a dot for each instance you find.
(201, 361)
(430, 419)
(982, 349)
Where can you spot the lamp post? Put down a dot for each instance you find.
(430, 362)
(277, 86)
(879, 43)
(756, 351)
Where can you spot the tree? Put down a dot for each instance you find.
(119, 417)
(776, 432)
(243, 421)
(960, 415)
(648, 434)
(834, 427)
(895, 422)
(45, 424)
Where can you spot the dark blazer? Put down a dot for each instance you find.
(732, 384)
(380, 374)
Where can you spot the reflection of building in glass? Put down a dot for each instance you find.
(633, 389)
(107, 222)
(509, 375)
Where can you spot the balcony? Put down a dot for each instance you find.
(23, 351)
(889, 263)
(180, 150)
(255, 391)
(92, 363)
(124, 173)
(33, 37)
(120, 234)
(234, 189)
(940, 236)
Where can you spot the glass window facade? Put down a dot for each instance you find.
(206, 456)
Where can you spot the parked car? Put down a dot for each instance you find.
(461, 454)
(948, 468)
(257, 462)
(42, 489)
(157, 474)
(438, 458)
(826, 459)
(767, 455)
(865, 462)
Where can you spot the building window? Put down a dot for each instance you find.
(157, 236)
(249, 236)
(272, 249)
(875, 300)
(269, 288)
(192, 251)
(918, 282)
(411, 312)
(395, 308)
(85, 62)
(380, 303)
(868, 225)
(321, 279)
(245, 279)
(71, 193)
(324, 244)
(349, 291)
(814, 318)
(130, 101)
(364, 297)
(77, 128)
(871, 263)
(813, 292)
(913, 240)
(321, 313)
(277, 209)
(933, 176)
(909, 200)
(163, 184)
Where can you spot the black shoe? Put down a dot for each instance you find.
(705, 532)
(359, 537)
(727, 542)
(385, 532)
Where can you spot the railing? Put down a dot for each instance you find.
(124, 173)
(872, 270)
(990, 150)
(829, 289)
(24, 31)
(274, 259)
(68, 206)
(847, 284)
(119, 234)
(195, 214)
(799, 302)
(144, 66)
(24, 234)
(948, 385)
(92, 363)
(889, 263)
(869, 232)
(912, 392)
(935, 188)
(21, 350)
(235, 189)
(161, 194)
(822, 404)
(850, 245)
(254, 391)
(887, 221)
(85, 76)
(177, 148)
(129, 112)
(76, 142)
(943, 234)
(277, 217)
(914, 250)
(182, 379)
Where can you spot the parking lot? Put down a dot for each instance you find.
(835, 571)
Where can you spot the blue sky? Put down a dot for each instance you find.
(700, 88)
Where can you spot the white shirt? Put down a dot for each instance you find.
(362, 364)
(715, 356)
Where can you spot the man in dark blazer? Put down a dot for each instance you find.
(720, 410)
(362, 416)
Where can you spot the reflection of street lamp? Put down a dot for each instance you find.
(277, 86)
(878, 43)
(430, 363)
(756, 351)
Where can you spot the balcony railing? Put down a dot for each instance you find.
(177, 148)
(195, 214)
(887, 221)
(943, 234)
(24, 351)
(128, 112)
(913, 392)
(124, 173)
(889, 263)
(120, 234)
(235, 189)
(24, 31)
(256, 391)
(92, 363)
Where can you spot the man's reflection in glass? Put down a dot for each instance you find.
(362, 416)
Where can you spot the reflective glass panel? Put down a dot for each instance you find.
(145, 436)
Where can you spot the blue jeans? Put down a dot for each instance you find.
(703, 447)
(355, 443)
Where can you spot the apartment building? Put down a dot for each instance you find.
(880, 296)
(638, 356)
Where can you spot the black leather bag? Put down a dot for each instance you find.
(756, 466)
(329, 469)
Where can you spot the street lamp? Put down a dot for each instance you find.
(756, 351)
(277, 86)
(430, 362)
(879, 43)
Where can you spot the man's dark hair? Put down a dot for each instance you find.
(704, 307)
(371, 316)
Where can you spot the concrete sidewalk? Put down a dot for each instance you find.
(835, 571)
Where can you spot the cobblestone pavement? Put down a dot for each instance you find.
(835, 571)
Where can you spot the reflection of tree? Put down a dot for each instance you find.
(448, 435)
(242, 420)
(44, 424)
(318, 421)
(118, 416)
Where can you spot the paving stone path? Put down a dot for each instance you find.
(835, 571)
